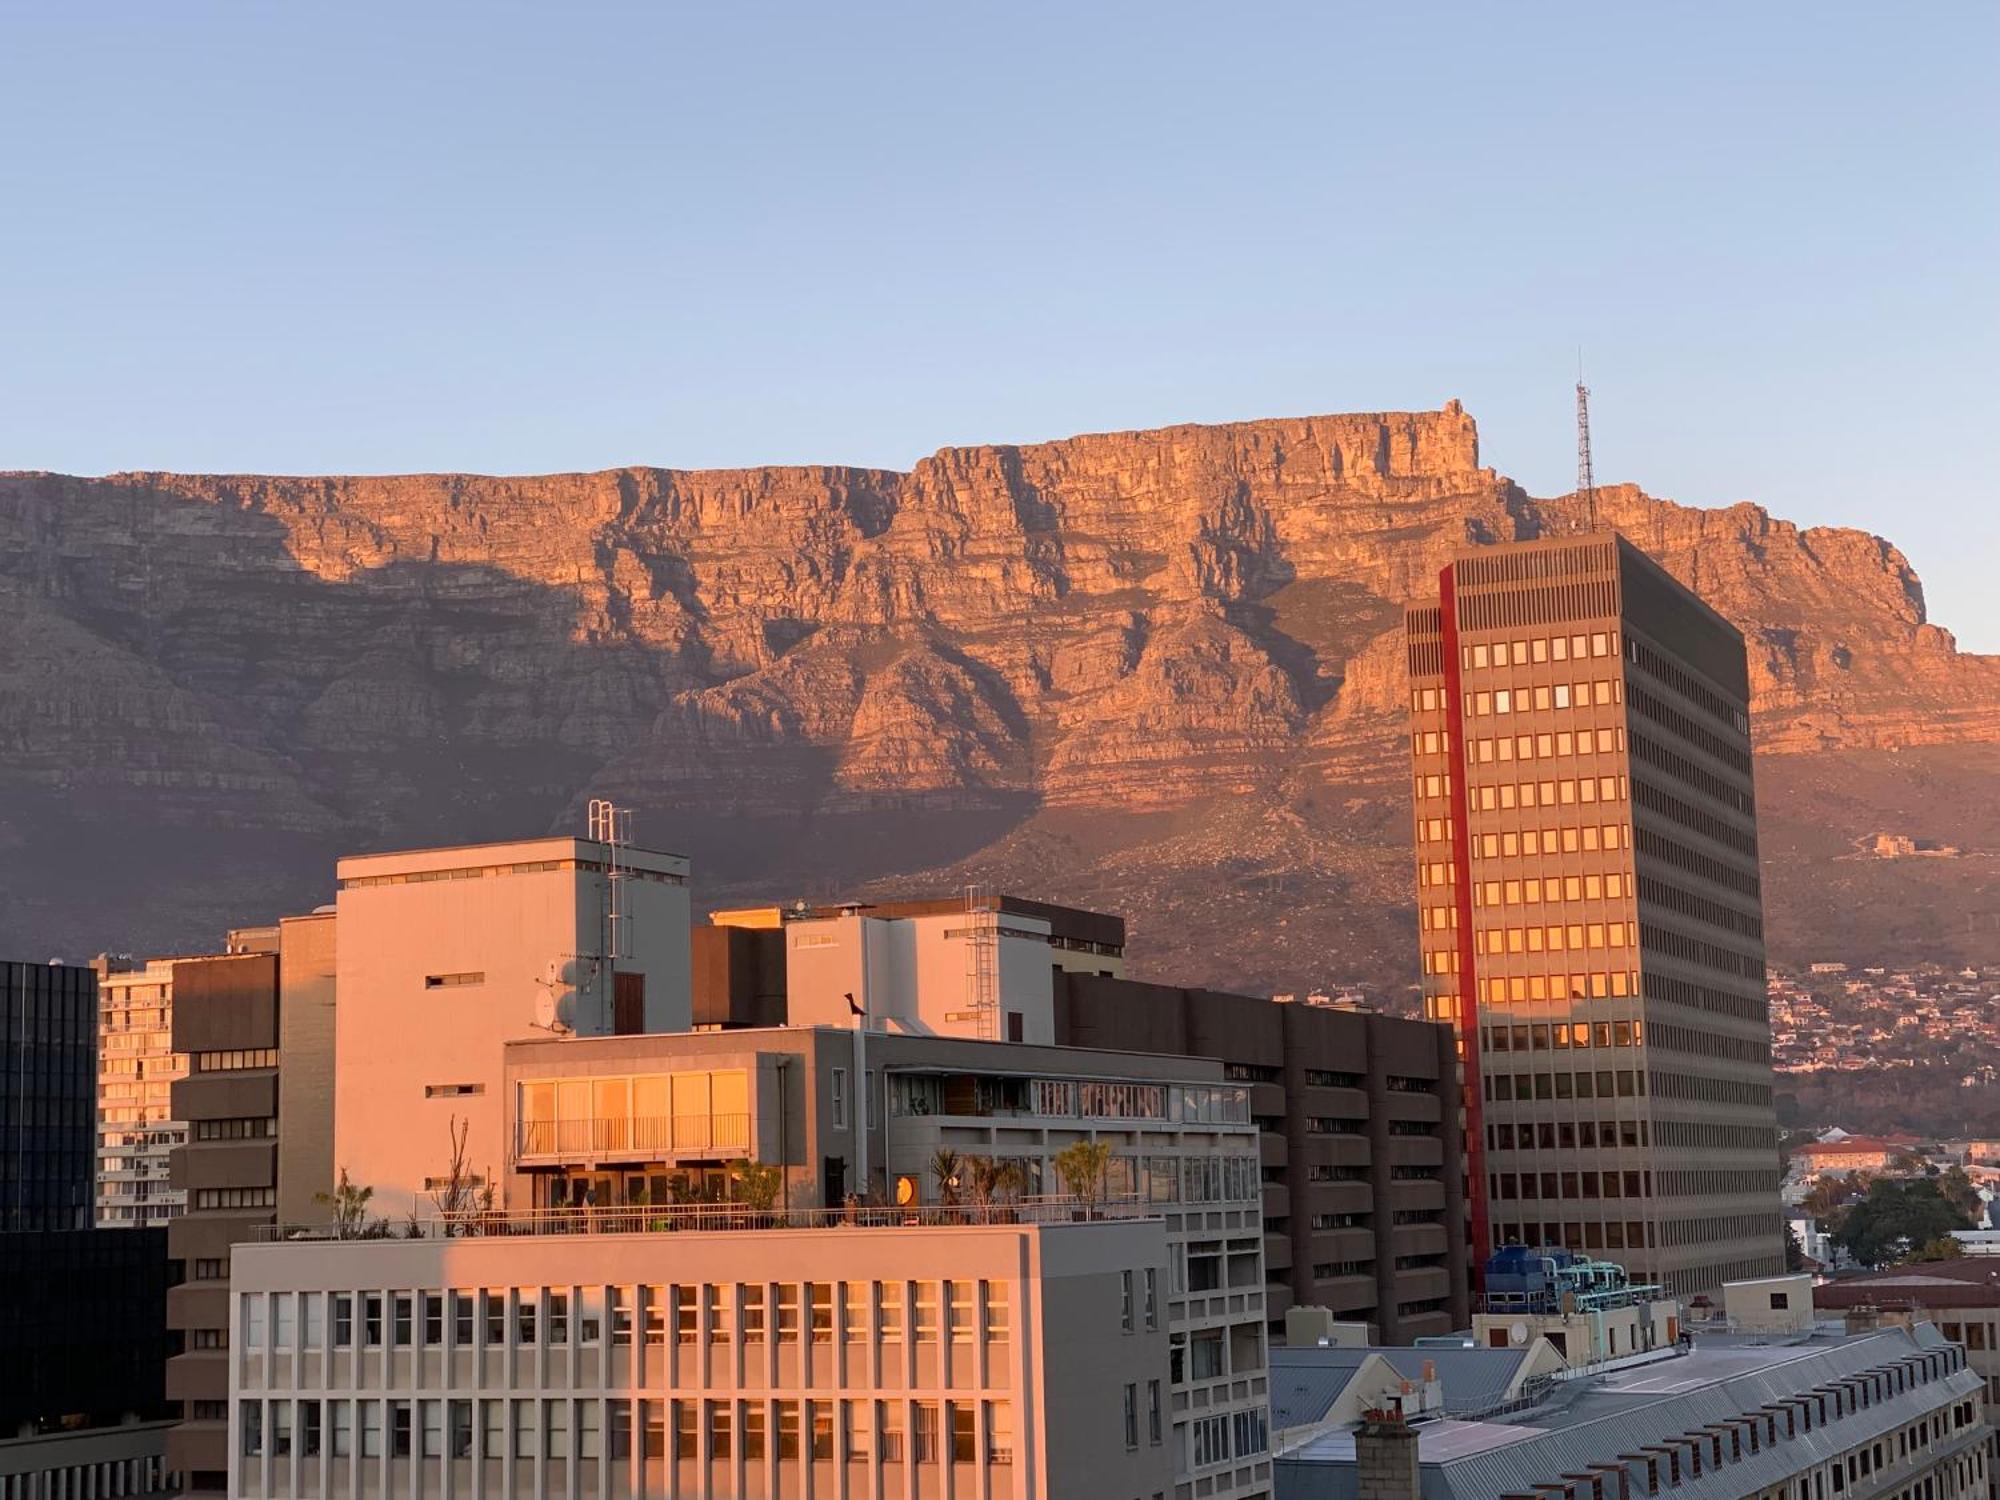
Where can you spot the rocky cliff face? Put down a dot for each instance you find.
(1116, 664)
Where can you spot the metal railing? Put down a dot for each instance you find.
(699, 1218)
(641, 1135)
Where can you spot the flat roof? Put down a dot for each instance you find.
(507, 852)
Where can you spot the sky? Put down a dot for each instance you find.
(346, 238)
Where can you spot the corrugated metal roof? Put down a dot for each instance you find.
(1479, 1460)
(1305, 1383)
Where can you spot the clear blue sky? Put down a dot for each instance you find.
(311, 238)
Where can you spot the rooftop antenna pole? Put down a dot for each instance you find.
(1586, 486)
(611, 826)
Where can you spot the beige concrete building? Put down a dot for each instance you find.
(136, 1069)
(447, 954)
(964, 1360)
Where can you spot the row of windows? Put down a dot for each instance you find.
(1540, 649)
(1658, 846)
(236, 1129)
(1686, 992)
(1683, 682)
(701, 1430)
(1700, 1230)
(235, 1197)
(233, 1059)
(1562, 1036)
(1153, 1414)
(1595, 1234)
(1735, 756)
(1709, 955)
(1216, 1440)
(1589, 838)
(1709, 1090)
(1696, 820)
(1585, 1185)
(1704, 1043)
(1650, 752)
(1566, 1135)
(1571, 938)
(1691, 1182)
(1526, 988)
(1670, 897)
(1534, 890)
(1547, 745)
(1605, 692)
(1601, 1083)
(1707, 1133)
(712, 1313)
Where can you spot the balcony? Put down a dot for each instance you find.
(635, 1138)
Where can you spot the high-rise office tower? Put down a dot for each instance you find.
(48, 1068)
(1589, 907)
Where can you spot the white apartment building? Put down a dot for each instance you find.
(444, 955)
(933, 1361)
(136, 1068)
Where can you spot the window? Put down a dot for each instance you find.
(820, 1424)
(343, 1320)
(343, 1428)
(1153, 1412)
(1209, 1440)
(924, 1435)
(839, 1093)
(371, 1428)
(1205, 1355)
(996, 1310)
(281, 1429)
(312, 1319)
(452, 1090)
(253, 1428)
(461, 1429)
(524, 1317)
(1131, 1415)
(371, 1319)
(959, 1309)
(964, 1435)
(524, 1428)
(856, 1429)
(1000, 1431)
(461, 1319)
(621, 1315)
(453, 981)
(788, 1429)
(555, 1429)
(399, 1429)
(889, 1431)
(309, 1428)
(253, 1321)
(496, 1319)
(1125, 1301)
(404, 1309)
(1252, 1432)
(431, 1425)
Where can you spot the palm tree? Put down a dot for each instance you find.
(1081, 1167)
(946, 1165)
(350, 1207)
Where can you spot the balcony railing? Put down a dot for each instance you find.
(694, 1218)
(633, 1136)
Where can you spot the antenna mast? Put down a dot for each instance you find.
(1586, 485)
(611, 826)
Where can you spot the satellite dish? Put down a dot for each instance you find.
(552, 992)
(1518, 1334)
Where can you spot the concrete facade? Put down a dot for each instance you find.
(444, 955)
(136, 1069)
(976, 1361)
(1362, 1145)
(1590, 911)
(1180, 1134)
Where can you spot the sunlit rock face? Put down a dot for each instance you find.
(1161, 670)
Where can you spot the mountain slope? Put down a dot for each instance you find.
(1155, 669)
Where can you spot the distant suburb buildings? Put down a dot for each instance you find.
(1589, 907)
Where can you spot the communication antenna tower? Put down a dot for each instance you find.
(982, 961)
(1586, 485)
(611, 826)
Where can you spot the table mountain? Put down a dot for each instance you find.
(1159, 670)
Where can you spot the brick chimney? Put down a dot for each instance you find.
(1385, 1457)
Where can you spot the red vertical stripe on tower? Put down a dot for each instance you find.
(1468, 972)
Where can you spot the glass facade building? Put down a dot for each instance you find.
(48, 1090)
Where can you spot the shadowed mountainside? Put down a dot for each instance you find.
(1156, 670)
